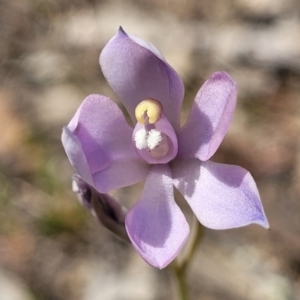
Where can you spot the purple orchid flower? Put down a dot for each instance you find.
(109, 154)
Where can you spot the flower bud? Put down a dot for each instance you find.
(109, 212)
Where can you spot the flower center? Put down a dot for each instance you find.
(153, 138)
(148, 112)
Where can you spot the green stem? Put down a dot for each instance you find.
(180, 268)
(181, 283)
(196, 236)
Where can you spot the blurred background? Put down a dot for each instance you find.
(50, 247)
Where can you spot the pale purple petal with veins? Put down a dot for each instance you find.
(100, 132)
(221, 196)
(155, 224)
(136, 72)
(209, 118)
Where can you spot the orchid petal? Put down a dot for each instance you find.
(156, 226)
(98, 142)
(209, 118)
(121, 173)
(76, 155)
(221, 196)
(137, 71)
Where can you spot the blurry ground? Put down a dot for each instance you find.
(50, 248)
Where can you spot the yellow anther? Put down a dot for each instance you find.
(148, 108)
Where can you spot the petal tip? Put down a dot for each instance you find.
(222, 75)
(264, 223)
(66, 133)
(156, 258)
(121, 31)
(63, 130)
(156, 263)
